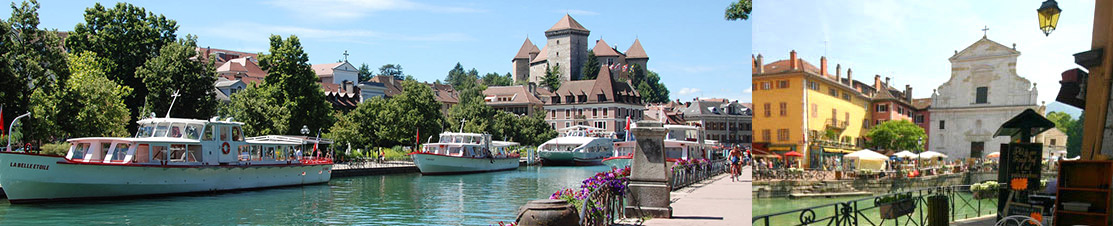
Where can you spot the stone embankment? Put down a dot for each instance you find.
(787, 188)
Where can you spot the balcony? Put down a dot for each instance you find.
(836, 124)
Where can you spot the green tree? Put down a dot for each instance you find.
(896, 135)
(649, 85)
(1074, 137)
(457, 76)
(174, 70)
(494, 79)
(260, 113)
(365, 73)
(91, 105)
(399, 121)
(128, 36)
(294, 84)
(591, 67)
(31, 60)
(1062, 120)
(739, 10)
(357, 126)
(392, 70)
(552, 78)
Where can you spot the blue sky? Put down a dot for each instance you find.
(910, 41)
(696, 51)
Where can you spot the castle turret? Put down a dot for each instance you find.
(567, 46)
(520, 63)
(636, 55)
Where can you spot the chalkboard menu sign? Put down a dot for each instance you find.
(1023, 161)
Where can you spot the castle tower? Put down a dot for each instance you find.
(520, 63)
(567, 47)
(636, 55)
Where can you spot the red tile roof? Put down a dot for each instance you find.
(603, 50)
(635, 51)
(922, 103)
(784, 65)
(567, 23)
(527, 48)
(325, 70)
(542, 56)
(517, 95)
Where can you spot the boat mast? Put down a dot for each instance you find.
(462, 121)
(175, 95)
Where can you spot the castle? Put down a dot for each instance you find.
(566, 47)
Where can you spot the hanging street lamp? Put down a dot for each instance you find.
(1049, 16)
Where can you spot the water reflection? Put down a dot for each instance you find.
(403, 199)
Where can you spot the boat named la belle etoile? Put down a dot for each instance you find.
(167, 156)
(577, 145)
(459, 153)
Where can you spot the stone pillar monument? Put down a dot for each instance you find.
(649, 188)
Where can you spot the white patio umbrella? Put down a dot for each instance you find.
(867, 159)
(931, 154)
(905, 154)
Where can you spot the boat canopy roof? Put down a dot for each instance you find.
(287, 139)
(461, 134)
(503, 143)
(579, 127)
(134, 139)
(214, 120)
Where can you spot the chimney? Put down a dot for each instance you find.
(886, 82)
(792, 60)
(532, 88)
(908, 93)
(823, 66)
(760, 64)
(849, 79)
(877, 82)
(838, 71)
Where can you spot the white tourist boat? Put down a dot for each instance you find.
(681, 143)
(458, 153)
(167, 156)
(577, 145)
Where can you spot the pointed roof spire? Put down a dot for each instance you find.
(567, 23)
(636, 51)
(527, 49)
(603, 50)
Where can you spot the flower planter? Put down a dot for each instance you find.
(983, 194)
(838, 175)
(896, 209)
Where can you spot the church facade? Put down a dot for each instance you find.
(566, 48)
(983, 92)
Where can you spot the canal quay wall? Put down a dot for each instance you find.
(785, 188)
(389, 167)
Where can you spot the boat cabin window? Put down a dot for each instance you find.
(224, 133)
(79, 150)
(674, 153)
(120, 151)
(161, 130)
(192, 132)
(145, 131)
(236, 134)
(456, 151)
(209, 132)
(175, 131)
(159, 153)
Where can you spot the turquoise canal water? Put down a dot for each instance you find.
(401, 199)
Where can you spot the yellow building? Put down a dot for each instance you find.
(801, 108)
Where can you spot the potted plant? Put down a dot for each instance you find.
(985, 190)
(893, 206)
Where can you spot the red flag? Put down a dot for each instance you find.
(2, 130)
(418, 138)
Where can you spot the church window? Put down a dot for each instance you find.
(982, 95)
(942, 124)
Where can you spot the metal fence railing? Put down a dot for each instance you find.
(867, 211)
(682, 176)
(604, 206)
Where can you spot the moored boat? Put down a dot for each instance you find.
(681, 143)
(167, 156)
(577, 145)
(459, 153)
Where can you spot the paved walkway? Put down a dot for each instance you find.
(717, 201)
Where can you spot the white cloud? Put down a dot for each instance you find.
(688, 91)
(352, 9)
(748, 90)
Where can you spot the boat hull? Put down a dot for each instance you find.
(568, 158)
(36, 178)
(434, 164)
(618, 162)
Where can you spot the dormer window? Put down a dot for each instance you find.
(602, 98)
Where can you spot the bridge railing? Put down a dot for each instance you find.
(682, 176)
(867, 211)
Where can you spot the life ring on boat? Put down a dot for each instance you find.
(225, 148)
